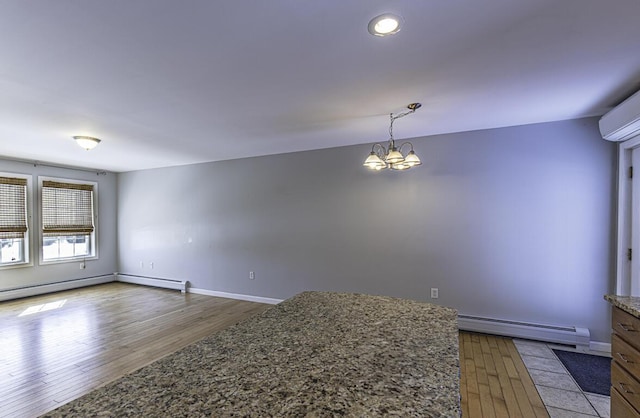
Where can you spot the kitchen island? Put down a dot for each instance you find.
(625, 346)
(316, 354)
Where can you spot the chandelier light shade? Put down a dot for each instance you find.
(392, 157)
(86, 142)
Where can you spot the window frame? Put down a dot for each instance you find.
(27, 243)
(93, 236)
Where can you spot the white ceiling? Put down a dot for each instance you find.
(167, 82)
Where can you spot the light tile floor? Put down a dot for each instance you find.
(560, 394)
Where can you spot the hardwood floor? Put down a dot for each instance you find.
(57, 347)
(494, 381)
(100, 333)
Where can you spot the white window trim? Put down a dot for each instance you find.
(624, 283)
(29, 244)
(94, 235)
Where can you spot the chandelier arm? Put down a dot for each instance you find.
(381, 151)
(405, 143)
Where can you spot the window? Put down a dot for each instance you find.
(13, 221)
(67, 220)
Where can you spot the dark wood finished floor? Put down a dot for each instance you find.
(55, 348)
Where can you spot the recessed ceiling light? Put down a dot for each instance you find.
(385, 24)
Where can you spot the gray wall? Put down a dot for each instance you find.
(106, 230)
(513, 223)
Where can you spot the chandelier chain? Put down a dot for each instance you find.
(398, 116)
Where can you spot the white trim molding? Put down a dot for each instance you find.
(623, 285)
(237, 296)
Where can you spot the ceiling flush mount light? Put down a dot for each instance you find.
(86, 142)
(392, 156)
(385, 24)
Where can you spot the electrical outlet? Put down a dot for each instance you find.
(151, 265)
(83, 266)
(252, 275)
(434, 293)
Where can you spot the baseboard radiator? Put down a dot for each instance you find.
(567, 335)
(24, 292)
(153, 281)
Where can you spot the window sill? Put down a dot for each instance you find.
(15, 265)
(68, 260)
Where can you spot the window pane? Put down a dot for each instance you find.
(50, 248)
(11, 250)
(66, 246)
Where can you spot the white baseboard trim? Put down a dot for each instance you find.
(599, 346)
(24, 292)
(152, 281)
(236, 296)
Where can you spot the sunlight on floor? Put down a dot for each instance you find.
(44, 307)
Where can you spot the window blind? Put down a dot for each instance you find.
(67, 208)
(13, 207)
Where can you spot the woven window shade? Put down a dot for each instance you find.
(67, 208)
(13, 207)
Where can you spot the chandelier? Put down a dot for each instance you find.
(392, 156)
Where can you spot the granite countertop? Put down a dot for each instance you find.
(318, 354)
(629, 304)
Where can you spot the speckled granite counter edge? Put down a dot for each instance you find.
(629, 304)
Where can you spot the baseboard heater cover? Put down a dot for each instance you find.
(568, 335)
(153, 281)
(41, 289)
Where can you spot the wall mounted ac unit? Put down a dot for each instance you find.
(623, 121)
